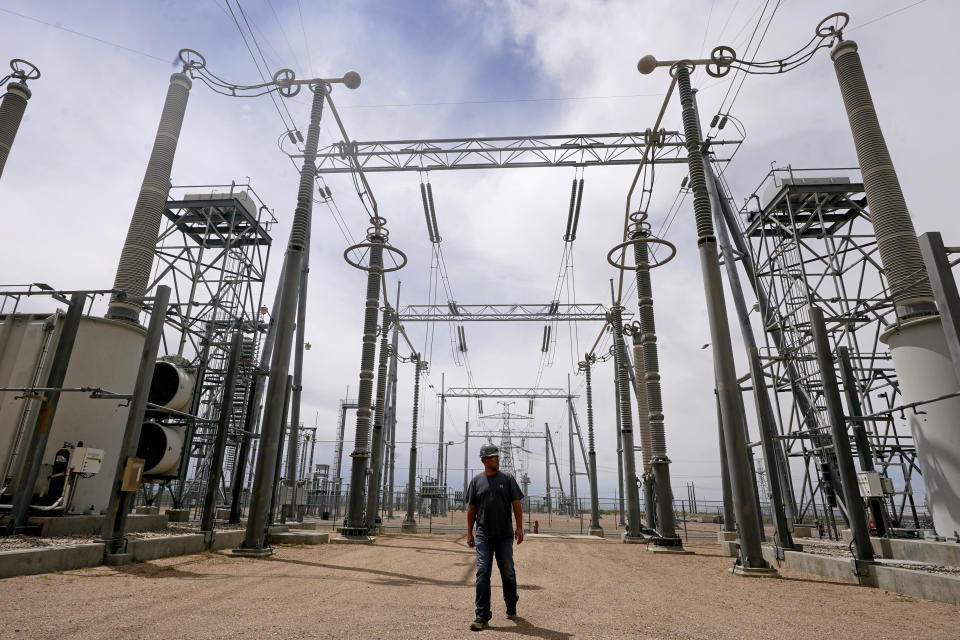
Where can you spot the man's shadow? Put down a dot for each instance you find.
(523, 627)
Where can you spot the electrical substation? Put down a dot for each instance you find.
(172, 413)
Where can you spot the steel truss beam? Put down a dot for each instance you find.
(565, 150)
(550, 312)
(508, 392)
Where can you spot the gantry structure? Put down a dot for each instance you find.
(811, 243)
(213, 252)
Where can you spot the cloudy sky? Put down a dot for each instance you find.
(434, 69)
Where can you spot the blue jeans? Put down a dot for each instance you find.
(502, 548)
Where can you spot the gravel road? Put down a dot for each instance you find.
(421, 586)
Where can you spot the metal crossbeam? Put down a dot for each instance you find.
(548, 312)
(507, 392)
(574, 150)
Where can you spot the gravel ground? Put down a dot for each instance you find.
(842, 550)
(11, 543)
(421, 586)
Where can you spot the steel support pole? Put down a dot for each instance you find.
(293, 440)
(729, 519)
(466, 461)
(634, 524)
(546, 451)
(944, 291)
(770, 323)
(409, 523)
(285, 315)
(115, 523)
(393, 411)
(765, 417)
(33, 451)
(236, 491)
(595, 528)
(278, 482)
(376, 462)
(572, 458)
(751, 556)
(863, 550)
(209, 513)
(781, 530)
(441, 481)
(878, 509)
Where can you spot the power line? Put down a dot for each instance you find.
(306, 41)
(89, 37)
(886, 15)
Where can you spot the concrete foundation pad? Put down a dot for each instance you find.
(598, 532)
(669, 550)
(625, 539)
(802, 531)
(227, 539)
(728, 536)
(252, 553)
(755, 572)
(178, 515)
(146, 549)
(146, 511)
(352, 540)
(730, 549)
(117, 559)
(21, 562)
(299, 537)
(408, 528)
(305, 526)
(944, 553)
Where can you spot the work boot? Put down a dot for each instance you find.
(478, 625)
(512, 612)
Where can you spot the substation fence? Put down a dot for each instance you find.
(439, 512)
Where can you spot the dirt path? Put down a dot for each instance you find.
(422, 587)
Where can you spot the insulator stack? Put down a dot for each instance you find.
(896, 236)
(426, 213)
(545, 344)
(12, 108)
(461, 339)
(698, 183)
(136, 258)
(433, 214)
(573, 215)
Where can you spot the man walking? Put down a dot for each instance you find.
(491, 497)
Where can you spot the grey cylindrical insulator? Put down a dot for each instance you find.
(365, 393)
(626, 422)
(376, 462)
(648, 338)
(590, 441)
(691, 130)
(355, 523)
(573, 199)
(426, 212)
(300, 229)
(11, 113)
(412, 471)
(136, 258)
(896, 237)
(433, 214)
(643, 408)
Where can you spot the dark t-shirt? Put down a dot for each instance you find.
(493, 497)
